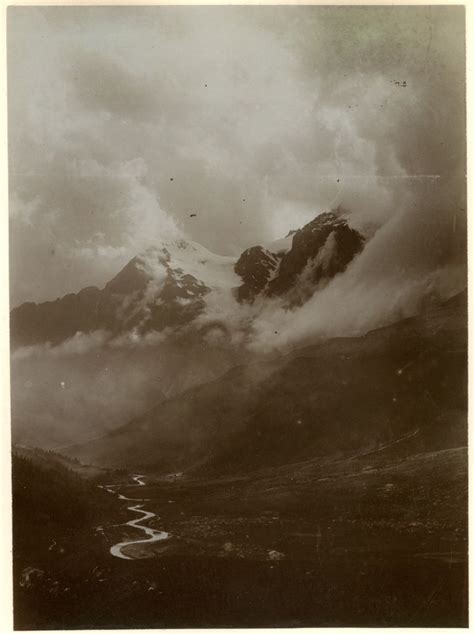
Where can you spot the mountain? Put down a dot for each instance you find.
(256, 266)
(163, 287)
(82, 365)
(317, 252)
(169, 285)
(88, 362)
(341, 397)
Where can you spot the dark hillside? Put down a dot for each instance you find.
(339, 397)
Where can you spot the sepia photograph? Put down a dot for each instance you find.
(238, 316)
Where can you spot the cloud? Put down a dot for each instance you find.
(125, 121)
(413, 259)
(80, 343)
(104, 85)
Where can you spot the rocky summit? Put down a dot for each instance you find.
(319, 251)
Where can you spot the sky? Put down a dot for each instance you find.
(124, 121)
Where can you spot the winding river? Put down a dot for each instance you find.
(152, 534)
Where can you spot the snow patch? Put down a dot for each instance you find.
(190, 258)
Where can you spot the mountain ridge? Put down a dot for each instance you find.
(167, 286)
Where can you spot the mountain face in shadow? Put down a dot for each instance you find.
(342, 396)
(320, 250)
(317, 252)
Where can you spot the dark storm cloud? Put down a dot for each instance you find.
(262, 116)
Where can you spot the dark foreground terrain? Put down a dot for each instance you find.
(374, 540)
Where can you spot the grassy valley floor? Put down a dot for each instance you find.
(375, 540)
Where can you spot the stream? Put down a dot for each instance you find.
(152, 534)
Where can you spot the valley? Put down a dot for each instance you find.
(238, 336)
(375, 539)
(198, 484)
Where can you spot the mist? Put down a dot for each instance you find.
(123, 123)
(228, 126)
(94, 383)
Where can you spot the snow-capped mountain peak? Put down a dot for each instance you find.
(168, 284)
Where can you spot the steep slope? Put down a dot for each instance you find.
(256, 267)
(343, 396)
(162, 287)
(300, 264)
(319, 251)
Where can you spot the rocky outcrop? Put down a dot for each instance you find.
(256, 267)
(320, 250)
